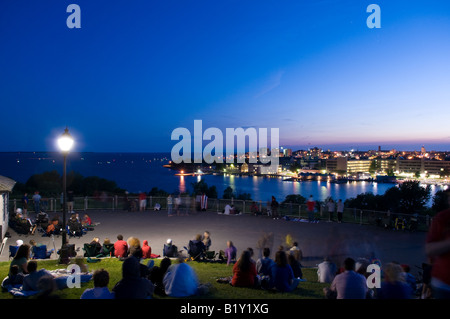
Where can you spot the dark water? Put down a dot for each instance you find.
(142, 171)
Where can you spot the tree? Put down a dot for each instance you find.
(413, 197)
(228, 193)
(294, 199)
(440, 201)
(156, 192)
(201, 187)
(47, 183)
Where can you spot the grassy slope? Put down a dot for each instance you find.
(207, 273)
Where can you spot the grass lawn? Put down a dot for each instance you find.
(206, 272)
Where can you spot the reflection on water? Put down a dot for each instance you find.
(182, 185)
(262, 188)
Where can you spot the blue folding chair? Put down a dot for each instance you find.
(12, 251)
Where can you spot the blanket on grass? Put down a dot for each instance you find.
(60, 276)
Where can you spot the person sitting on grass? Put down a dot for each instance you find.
(282, 276)
(120, 247)
(348, 284)
(132, 285)
(244, 271)
(206, 239)
(21, 258)
(30, 281)
(230, 252)
(157, 274)
(14, 279)
(146, 250)
(394, 286)
(294, 262)
(264, 264)
(100, 290)
(169, 249)
(181, 280)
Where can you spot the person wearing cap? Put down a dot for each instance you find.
(170, 250)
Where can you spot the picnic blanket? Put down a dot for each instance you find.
(60, 276)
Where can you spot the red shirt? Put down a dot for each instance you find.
(310, 205)
(243, 278)
(146, 250)
(120, 248)
(440, 230)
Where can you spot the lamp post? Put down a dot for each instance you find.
(65, 143)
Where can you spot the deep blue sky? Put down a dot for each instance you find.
(138, 69)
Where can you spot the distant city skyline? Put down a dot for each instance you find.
(136, 71)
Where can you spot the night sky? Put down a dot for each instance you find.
(136, 70)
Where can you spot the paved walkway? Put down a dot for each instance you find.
(315, 240)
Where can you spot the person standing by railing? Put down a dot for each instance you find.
(36, 200)
(310, 204)
(340, 210)
(169, 205)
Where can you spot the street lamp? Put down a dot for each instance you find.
(65, 143)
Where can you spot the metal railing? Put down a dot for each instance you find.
(285, 210)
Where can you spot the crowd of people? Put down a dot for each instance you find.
(283, 273)
(175, 277)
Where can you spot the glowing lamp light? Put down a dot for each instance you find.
(65, 142)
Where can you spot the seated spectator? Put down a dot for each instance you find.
(47, 287)
(98, 247)
(120, 247)
(206, 239)
(107, 249)
(21, 259)
(293, 261)
(30, 281)
(264, 264)
(254, 209)
(79, 261)
(409, 278)
(74, 226)
(169, 249)
(157, 274)
(146, 250)
(244, 271)
(21, 224)
(133, 241)
(282, 276)
(136, 251)
(100, 290)
(36, 252)
(54, 228)
(196, 249)
(326, 271)
(132, 285)
(180, 280)
(252, 253)
(228, 210)
(86, 221)
(14, 279)
(393, 286)
(230, 252)
(295, 250)
(349, 284)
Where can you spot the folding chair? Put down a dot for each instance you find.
(210, 255)
(3, 244)
(90, 250)
(107, 250)
(40, 252)
(12, 251)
